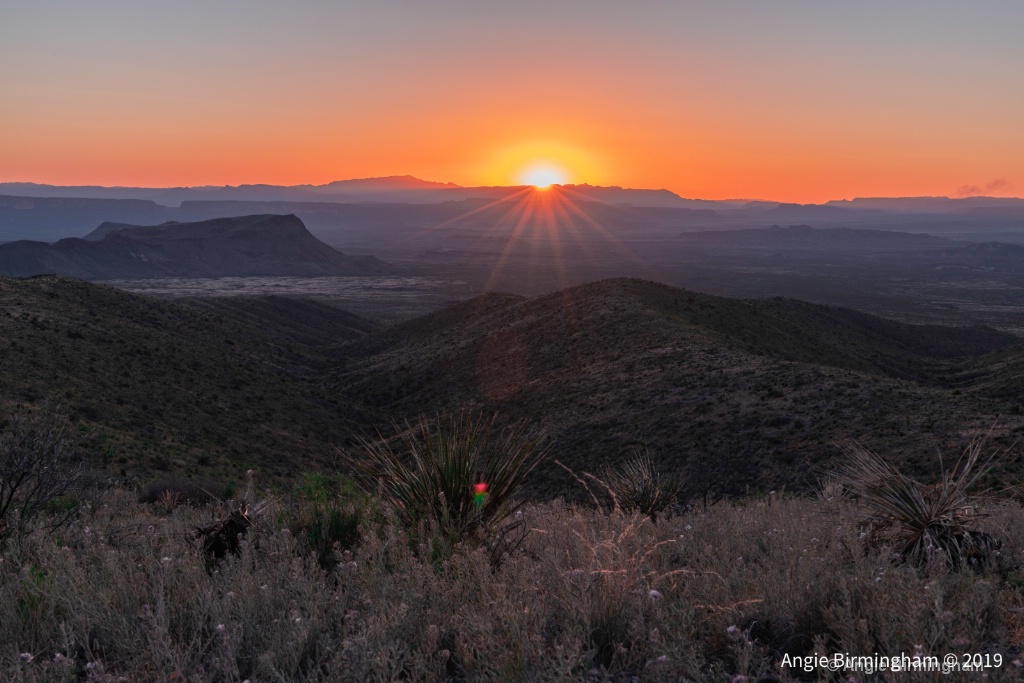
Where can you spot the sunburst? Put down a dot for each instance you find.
(547, 221)
(543, 175)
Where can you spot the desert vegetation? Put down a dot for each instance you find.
(636, 540)
(635, 484)
(39, 465)
(732, 395)
(330, 581)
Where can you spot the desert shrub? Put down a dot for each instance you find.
(636, 485)
(614, 589)
(39, 464)
(181, 491)
(925, 523)
(325, 514)
(831, 491)
(237, 520)
(429, 472)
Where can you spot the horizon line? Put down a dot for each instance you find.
(445, 185)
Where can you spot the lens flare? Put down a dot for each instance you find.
(479, 494)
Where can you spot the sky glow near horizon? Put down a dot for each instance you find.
(792, 101)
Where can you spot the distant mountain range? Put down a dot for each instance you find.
(366, 189)
(411, 190)
(392, 190)
(930, 204)
(370, 209)
(241, 246)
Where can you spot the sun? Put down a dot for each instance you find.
(543, 175)
(540, 164)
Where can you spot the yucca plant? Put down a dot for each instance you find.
(458, 473)
(924, 522)
(637, 485)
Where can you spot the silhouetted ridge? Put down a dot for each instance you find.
(259, 245)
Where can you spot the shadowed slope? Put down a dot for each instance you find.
(737, 392)
(208, 389)
(287, 319)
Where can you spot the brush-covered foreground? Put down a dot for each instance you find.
(125, 594)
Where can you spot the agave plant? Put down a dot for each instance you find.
(923, 522)
(458, 472)
(636, 485)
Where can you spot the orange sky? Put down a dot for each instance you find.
(792, 101)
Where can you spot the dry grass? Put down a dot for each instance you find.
(122, 594)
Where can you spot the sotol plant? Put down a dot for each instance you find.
(924, 522)
(429, 471)
(637, 485)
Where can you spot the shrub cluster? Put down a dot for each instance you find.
(454, 479)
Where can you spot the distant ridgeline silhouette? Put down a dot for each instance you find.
(238, 246)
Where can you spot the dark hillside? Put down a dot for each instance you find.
(788, 329)
(998, 375)
(446, 321)
(741, 393)
(166, 387)
(736, 393)
(307, 322)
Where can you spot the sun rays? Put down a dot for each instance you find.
(553, 232)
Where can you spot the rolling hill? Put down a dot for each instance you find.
(198, 388)
(737, 393)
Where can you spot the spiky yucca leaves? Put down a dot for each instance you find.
(924, 522)
(636, 485)
(428, 471)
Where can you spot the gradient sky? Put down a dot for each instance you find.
(792, 101)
